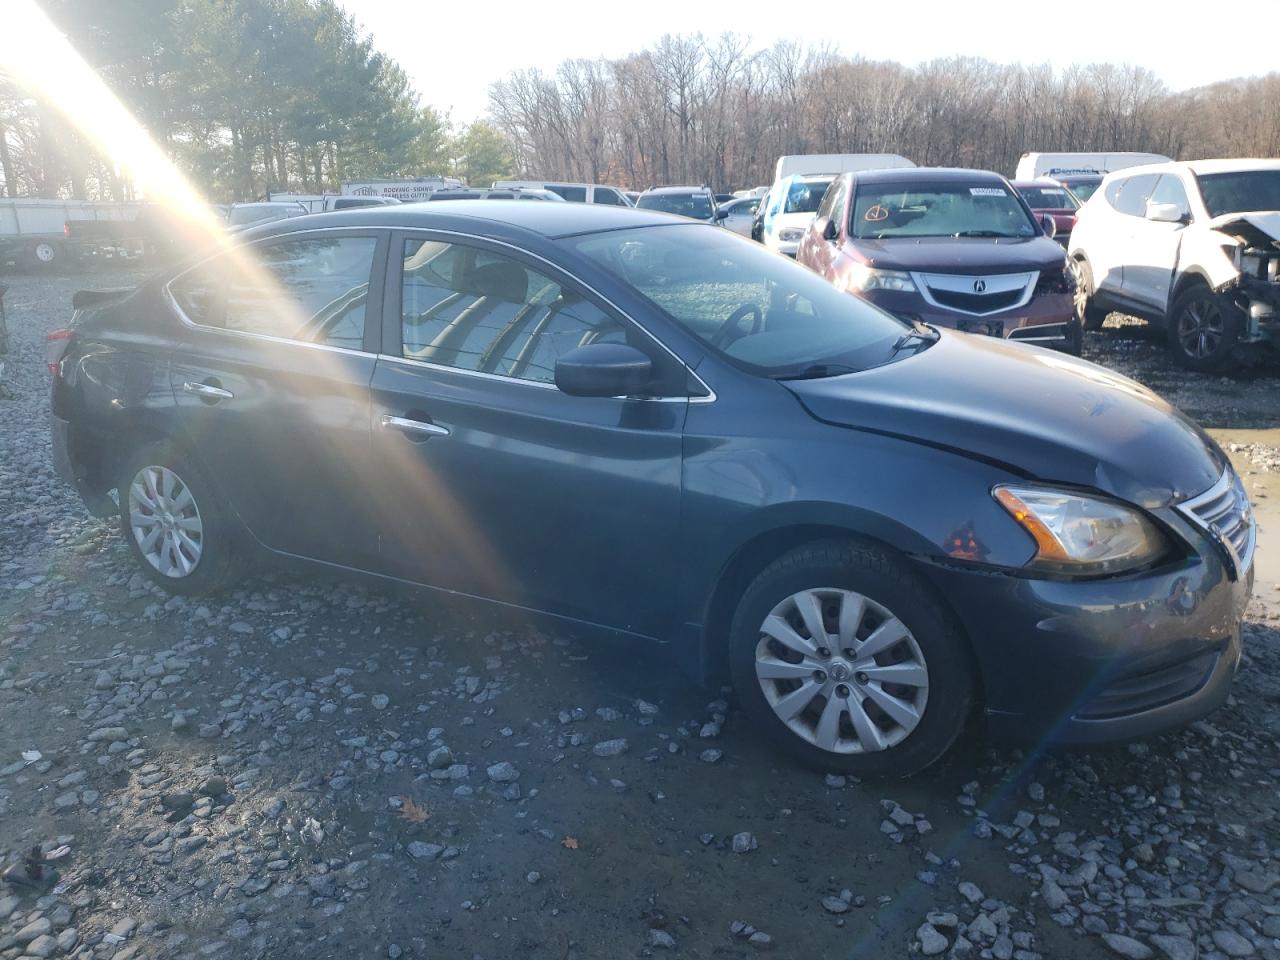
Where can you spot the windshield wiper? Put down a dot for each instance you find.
(985, 233)
(919, 336)
(817, 371)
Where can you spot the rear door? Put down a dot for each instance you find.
(272, 385)
(490, 480)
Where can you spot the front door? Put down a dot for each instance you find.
(272, 386)
(494, 483)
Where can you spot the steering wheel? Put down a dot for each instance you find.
(732, 329)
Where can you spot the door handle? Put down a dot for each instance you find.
(207, 391)
(423, 428)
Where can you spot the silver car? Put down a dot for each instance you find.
(739, 214)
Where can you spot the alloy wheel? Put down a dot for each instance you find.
(841, 671)
(165, 521)
(1200, 328)
(45, 252)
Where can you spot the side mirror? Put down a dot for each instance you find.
(1164, 212)
(604, 370)
(1048, 225)
(830, 232)
(720, 214)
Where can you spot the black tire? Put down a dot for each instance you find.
(43, 255)
(884, 579)
(1091, 316)
(218, 564)
(1219, 323)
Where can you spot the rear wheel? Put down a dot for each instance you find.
(1090, 315)
(43, 254)
(1203, 329)
(177, 529)
(843, 658)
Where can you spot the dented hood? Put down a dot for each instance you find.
(1043, 414)
(1256, 227)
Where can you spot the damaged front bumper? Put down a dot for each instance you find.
(1255, 290)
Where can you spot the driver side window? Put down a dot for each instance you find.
(473, 309)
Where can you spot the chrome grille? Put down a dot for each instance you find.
(1224, 511)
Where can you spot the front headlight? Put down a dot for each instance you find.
(862, 277)
(1081, 534)
(790, 236)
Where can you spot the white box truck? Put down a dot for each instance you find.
(1033, 166)
(804, 164)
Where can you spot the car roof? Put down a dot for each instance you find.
(1232, 165)
(496, 218)
(926, 174)
(678, 190)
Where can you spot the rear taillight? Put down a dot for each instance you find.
(66, 229)
(55, 345)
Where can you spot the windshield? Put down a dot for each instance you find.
(1084, 189)
(1049, 198)
(1240, 191)
(804, 197)
(764, 313)
(695, 205)
(923, 209)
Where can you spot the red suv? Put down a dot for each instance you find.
(1045, 197)
(953, 248)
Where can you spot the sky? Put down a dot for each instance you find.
(453, 71)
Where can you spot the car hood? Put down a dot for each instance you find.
(1256, 227)
(961, 254)
(790, 221)
(1041, 414)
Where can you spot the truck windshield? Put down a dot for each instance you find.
(1240, 191)
(920, 208)
(764, 313)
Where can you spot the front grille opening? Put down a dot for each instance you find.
(977, 302)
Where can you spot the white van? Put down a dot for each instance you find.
(573, 192)
(803, 164)
(1033, 166)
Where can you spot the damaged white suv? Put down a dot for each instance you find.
(1192, 246)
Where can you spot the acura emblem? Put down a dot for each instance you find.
(979, 286)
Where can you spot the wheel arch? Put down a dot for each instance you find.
(757, 551)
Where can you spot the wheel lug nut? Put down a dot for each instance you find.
(842, 690)
(860, 677)
(849, 654)
(820, 676)
(824, 652)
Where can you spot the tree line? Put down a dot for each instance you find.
(246, 96)
(696, 110)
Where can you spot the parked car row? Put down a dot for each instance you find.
(634, 424)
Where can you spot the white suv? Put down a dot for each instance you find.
(1192, 246)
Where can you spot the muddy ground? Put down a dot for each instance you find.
(311, 768)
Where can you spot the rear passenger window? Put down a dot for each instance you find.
(477, 310)
(611, 197)
(313, 290)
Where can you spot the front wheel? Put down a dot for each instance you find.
(1203, 329)
(843, 658)
(177, 529)
(1090, 315)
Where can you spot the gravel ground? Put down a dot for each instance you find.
(307, 768)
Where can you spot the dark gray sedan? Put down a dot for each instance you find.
(645, 425)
